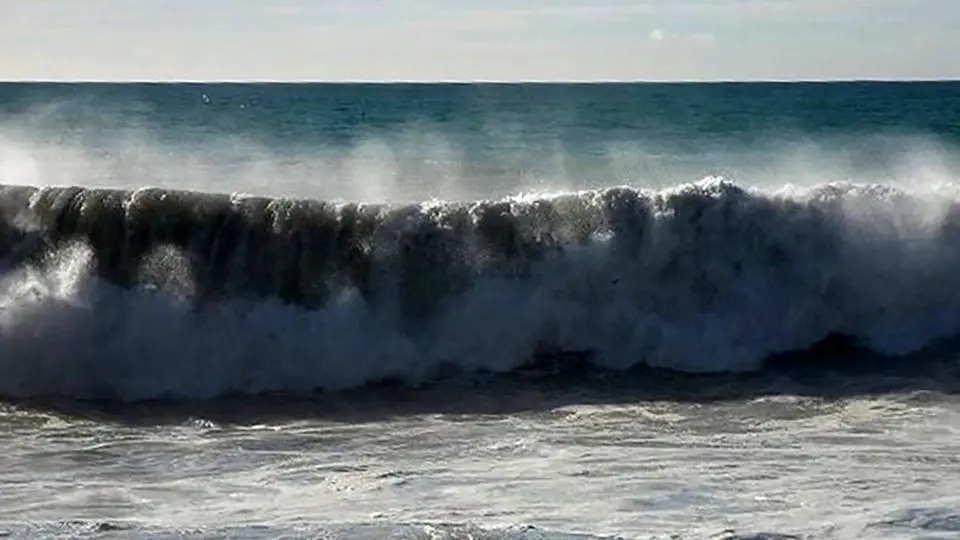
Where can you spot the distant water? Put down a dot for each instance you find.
(505, 311)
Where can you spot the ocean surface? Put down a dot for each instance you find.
(480, 311)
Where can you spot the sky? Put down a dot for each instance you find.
(470, 40)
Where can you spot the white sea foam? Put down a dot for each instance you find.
(704, 277)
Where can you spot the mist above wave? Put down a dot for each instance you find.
(490, 156)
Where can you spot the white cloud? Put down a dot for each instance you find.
(659, 34)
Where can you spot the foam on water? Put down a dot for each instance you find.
(427, 531)
(153, 292)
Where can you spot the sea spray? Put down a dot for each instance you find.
(152, 292)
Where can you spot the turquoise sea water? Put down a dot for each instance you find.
(501, 138)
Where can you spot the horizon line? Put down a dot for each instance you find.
(478, 81)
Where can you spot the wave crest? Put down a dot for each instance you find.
(153, 292)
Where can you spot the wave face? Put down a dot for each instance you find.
(149, 293)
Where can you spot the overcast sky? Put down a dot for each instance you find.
(387, 40)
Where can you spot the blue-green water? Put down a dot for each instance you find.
(213, 263)
(495, 139)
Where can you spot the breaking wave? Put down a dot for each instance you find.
(134, 294)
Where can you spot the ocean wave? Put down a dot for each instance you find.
(136, 294)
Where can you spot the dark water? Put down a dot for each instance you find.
(671, 113)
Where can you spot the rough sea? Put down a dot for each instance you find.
(480, 311)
